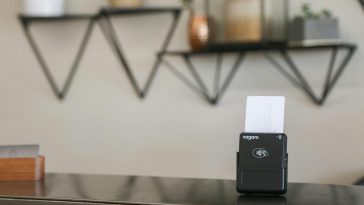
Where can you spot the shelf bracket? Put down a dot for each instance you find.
(198, 85)
(111, 35)
(59, 92)
(298, 79)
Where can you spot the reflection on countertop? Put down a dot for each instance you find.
(59, 189)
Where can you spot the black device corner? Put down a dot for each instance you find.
(262, 163)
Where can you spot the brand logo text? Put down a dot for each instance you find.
(251, 137)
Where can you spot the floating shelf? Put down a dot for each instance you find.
(104, 17)
(295, 76)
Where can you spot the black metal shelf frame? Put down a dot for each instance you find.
(201, 88)
(111, 35)
(107, 27)
(299, 79)
(104, 18)
(26, 21)
(361, 3)
(288, 69)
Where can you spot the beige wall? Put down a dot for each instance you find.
(103, 127)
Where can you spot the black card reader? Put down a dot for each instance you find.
(262, 163)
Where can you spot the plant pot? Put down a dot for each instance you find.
(44, 7)
(199, 31)
(314, 29)
(125, 3)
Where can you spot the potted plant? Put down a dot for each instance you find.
(44, 7)
(312, 25)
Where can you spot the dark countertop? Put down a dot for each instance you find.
(61, 189)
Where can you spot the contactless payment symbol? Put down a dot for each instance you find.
(260, 153)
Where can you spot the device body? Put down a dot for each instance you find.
(262, 163)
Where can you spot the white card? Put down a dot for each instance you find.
(264, 114)
(19, 151)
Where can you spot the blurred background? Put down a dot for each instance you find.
(102, 127)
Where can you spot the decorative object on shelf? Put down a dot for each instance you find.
(243, 20)
(21, 163)
(199, 26)
(125, 3)
(312, 26)
(199, 31)
(22, 169)
(255, 20)
(44, 7)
